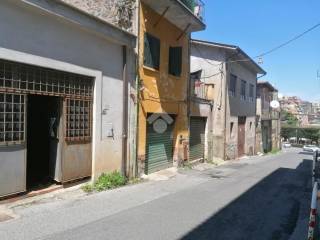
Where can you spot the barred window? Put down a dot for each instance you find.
(12, 118)
(78, 124)
(24, 78)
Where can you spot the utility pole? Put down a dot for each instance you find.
(296, 135)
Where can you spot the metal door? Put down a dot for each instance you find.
(241, 136)
(12, 143)
(77, 145)
(159, 146)
(197, 138)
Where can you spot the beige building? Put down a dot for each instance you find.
(233, 77)
(268, 118)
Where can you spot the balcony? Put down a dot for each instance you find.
(200, 90)
(195, 6)
(187, 15)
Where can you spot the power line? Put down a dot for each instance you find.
(288, 42)
(258, 56)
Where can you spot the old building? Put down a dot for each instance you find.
(201, 117)
(233, 76)
(268, 118)
(65, 85)
(164, 35)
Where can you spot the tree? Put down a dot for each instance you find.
(290, 119)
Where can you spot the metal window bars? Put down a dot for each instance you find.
(12, 118)
(22, 78)
(17, 80)
(78, 120)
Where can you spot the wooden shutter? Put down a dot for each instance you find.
(151, 51)
(175, 61)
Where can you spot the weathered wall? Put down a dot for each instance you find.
(239, 107)
(161, 91)
(118, 12)
(54, 38)
(212, 61)
(209, 61)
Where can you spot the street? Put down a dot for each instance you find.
(254, 198)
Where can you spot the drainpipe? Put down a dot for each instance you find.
(136, 173)
(125, 113)
(188, 96)
(226, 70)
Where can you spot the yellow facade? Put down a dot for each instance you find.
(161, 92)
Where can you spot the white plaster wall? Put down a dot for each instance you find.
(35, 32)
(210, 60)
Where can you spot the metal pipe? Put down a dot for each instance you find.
(125, 112)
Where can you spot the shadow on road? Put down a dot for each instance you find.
(306, 153)
(269, 210)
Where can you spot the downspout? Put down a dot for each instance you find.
(188, 95)
(226, 70)
(136, 173)
(125, 112)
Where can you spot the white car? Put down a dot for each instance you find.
(310, 148)
(286, 145)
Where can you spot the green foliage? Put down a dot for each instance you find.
(290, 119)
(109, 181)
(275, 151)
(88, 188)
(310, 133)
(106, 181)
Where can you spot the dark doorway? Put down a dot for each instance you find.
(241, 135)
(42, 131)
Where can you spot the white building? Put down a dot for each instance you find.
(65, 82)
(233, 75)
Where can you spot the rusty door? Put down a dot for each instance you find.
(241, 136)
(77, 147)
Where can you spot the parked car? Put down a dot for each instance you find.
(286, 145)
(310, 148)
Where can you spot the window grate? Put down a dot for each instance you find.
(22, 78)
(78, 120)
(12, 118)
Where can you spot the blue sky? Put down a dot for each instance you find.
(259, 25)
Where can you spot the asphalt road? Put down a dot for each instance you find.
(256, 198)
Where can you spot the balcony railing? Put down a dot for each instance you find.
(195, 6)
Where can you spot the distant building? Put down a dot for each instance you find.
(234, 93)
(268, 118)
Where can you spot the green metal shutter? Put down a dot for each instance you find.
(159, 149)
(197, 137)
(175, 61)
(151, 51)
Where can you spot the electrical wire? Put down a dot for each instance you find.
(289, 41)
(264, 53)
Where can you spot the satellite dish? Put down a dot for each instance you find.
(274, 104)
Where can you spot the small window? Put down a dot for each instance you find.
(251, 92)
(151, 51)
(175, 61)
(243, 90)
(233, 85)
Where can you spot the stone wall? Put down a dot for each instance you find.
(117, 12)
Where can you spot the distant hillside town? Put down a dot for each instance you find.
(306, 113)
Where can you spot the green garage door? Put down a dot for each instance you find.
(159, 146)
(197, 137)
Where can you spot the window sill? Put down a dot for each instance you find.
(175, 77)
(150, 69)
